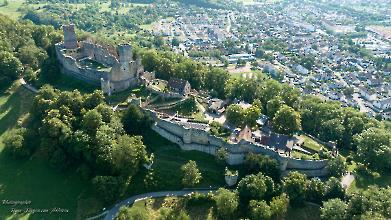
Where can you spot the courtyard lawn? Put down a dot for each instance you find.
(33, 179)
(311, 144)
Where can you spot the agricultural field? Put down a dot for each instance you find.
(13, 9)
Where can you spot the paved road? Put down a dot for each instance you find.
(28, 86)
(113, 212)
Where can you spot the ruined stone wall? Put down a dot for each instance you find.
(98, 53)
(70, 67)
(164, 94)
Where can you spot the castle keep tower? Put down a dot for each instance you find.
(70, 41)
(125, 53)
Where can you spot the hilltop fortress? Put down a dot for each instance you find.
(114, 70)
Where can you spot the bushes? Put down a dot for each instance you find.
(191, 175)
(226, 203)
(108, 187)
(15, 143)
(196, 199)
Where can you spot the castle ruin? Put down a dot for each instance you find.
(112, 70)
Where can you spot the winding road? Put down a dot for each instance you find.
(113, 211)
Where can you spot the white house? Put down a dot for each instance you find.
(368, 95)
(383, 104)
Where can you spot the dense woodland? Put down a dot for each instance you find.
(24, 49)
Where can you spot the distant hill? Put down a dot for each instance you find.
(199, 3)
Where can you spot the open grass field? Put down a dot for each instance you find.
(167, 166)
(12, 9)
(362, 182)
(33, 179)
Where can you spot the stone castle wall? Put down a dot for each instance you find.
(166, 95)
(70, 67)
(98, 53)
(200, 140)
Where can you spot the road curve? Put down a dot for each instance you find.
(113, 211)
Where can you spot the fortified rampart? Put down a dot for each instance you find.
(190, 138)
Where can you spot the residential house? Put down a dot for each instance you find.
(180, 86)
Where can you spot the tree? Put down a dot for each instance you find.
(295, 185)
(332, 130)
(14, 143)
(315, 191)
(109, 187)
(128, 153)
(279, 205)
(374, 148)
(287, 121)
(175, 42)
(374, 199)
(32, 56)
(191, 175)
(226, 202)
(334, 209)
(251, 115)
(134, 120)
(92, 120)
(337, 166)
(252, 187)
(126, 213)
(259, 210)
(221, 155)
(94, 99)
(273, 106)
(334, 189)
(10, 66)
(234, 114)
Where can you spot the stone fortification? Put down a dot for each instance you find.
(194, 136)
(98, 65)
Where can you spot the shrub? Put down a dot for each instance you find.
(191, 174)
(14, 143)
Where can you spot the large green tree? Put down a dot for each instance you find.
(295, 186)
(287, 121)
(191, 175)
(226, 202)
(334, 209)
